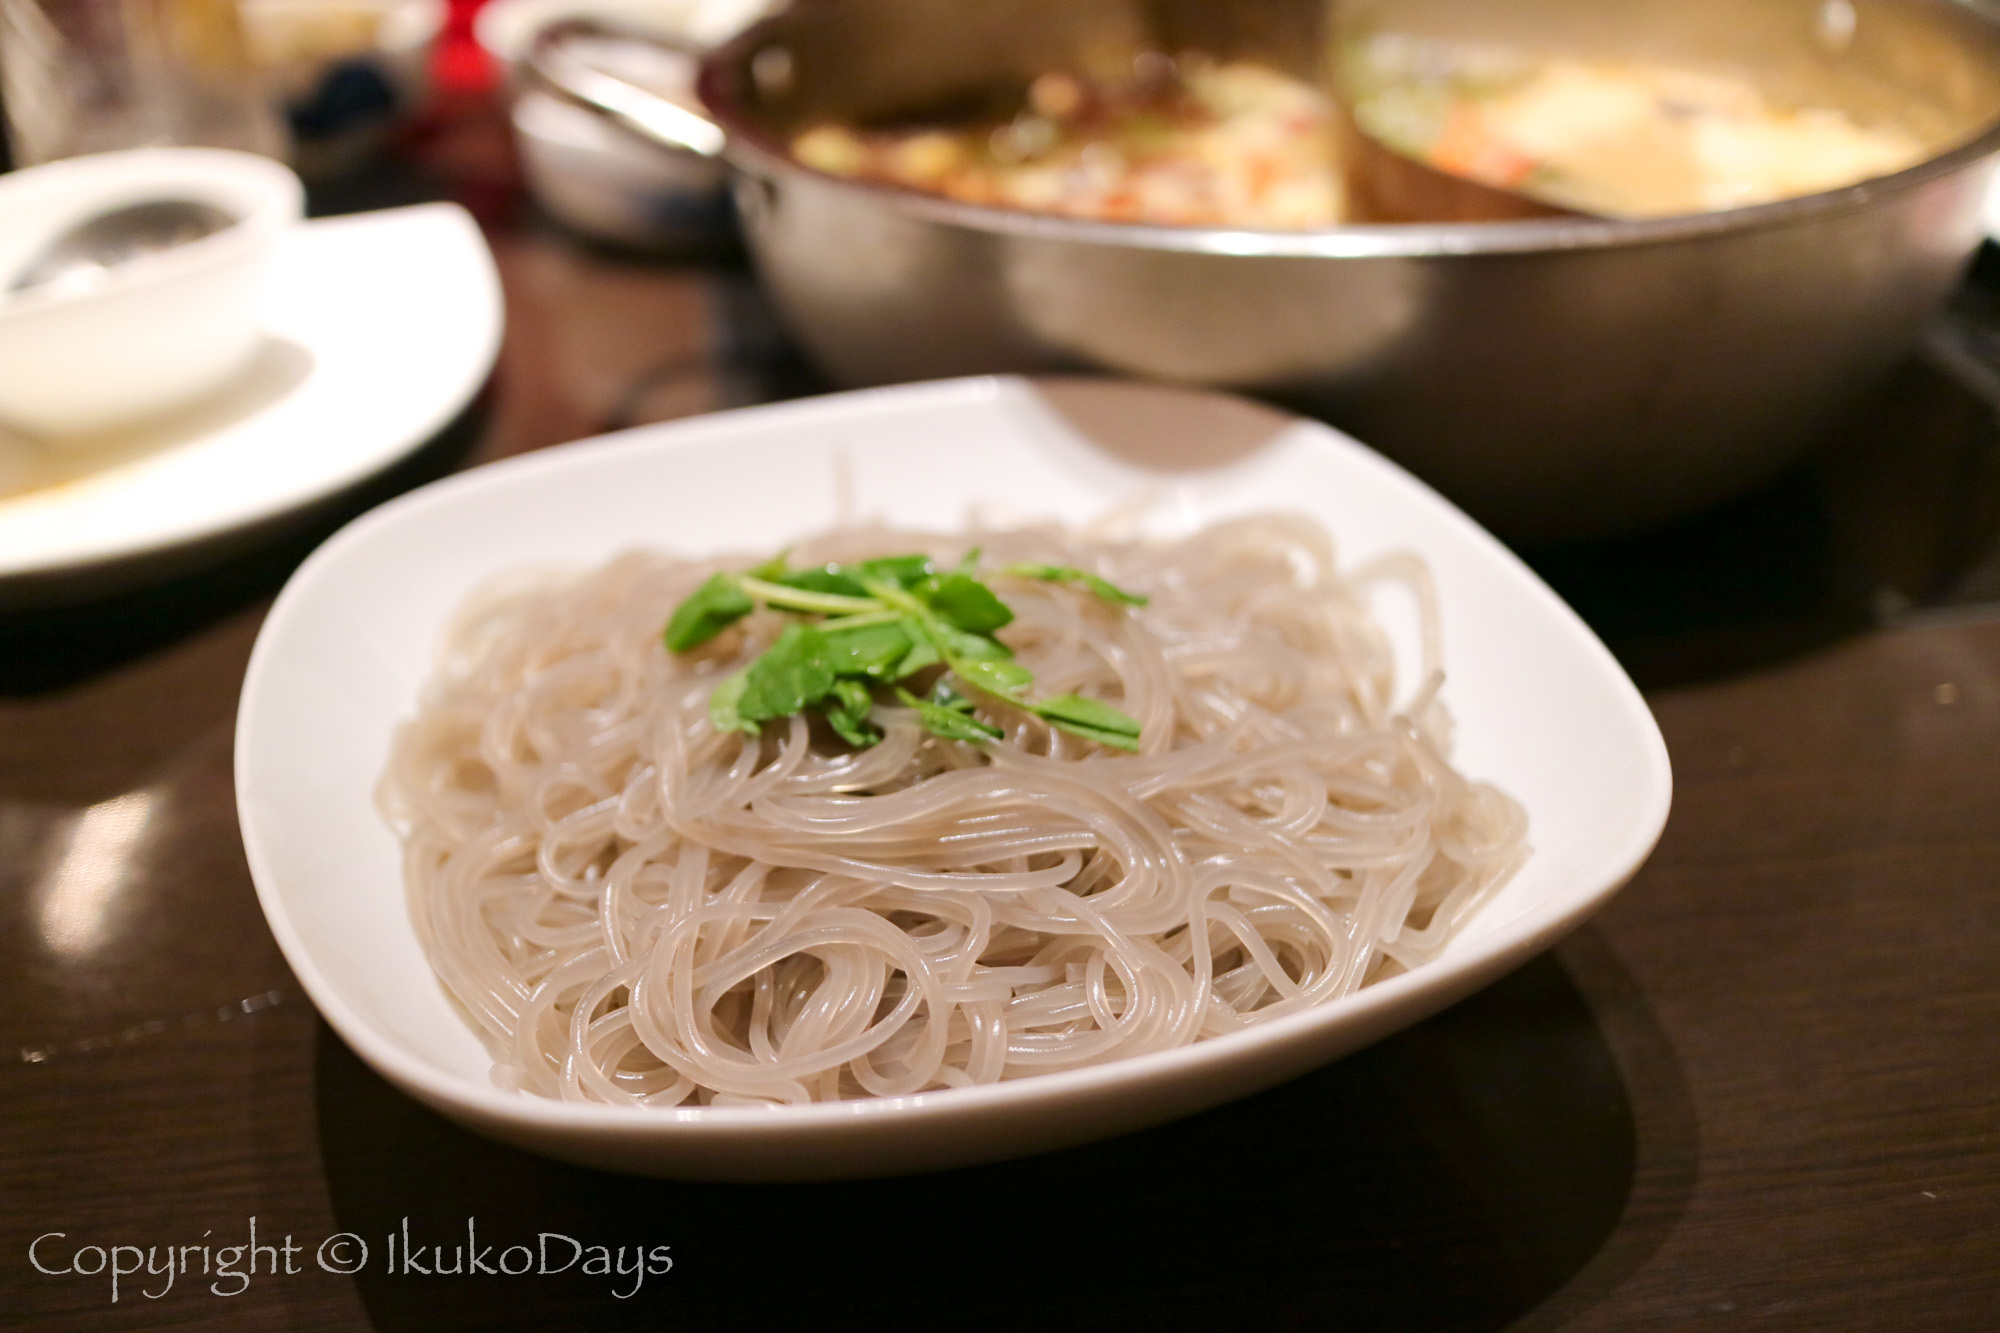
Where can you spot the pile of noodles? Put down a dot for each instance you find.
(635, 908)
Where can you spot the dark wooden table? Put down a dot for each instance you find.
(1761, 1090)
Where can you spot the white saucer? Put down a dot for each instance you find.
(380, 327)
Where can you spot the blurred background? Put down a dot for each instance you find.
(626, 304)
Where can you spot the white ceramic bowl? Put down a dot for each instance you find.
(1541, 708)
(505, 27)
(159, 332)
(601, 182)
(587, 173)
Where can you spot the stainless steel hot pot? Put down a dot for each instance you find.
(1560, 378)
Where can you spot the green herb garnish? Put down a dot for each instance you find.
(881, 622)
(1089, 718)
(1070, 574)
(950, 716)
(715, 606)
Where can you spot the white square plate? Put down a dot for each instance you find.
(1541, 709)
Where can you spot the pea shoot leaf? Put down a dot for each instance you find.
(722, 711)
(822, 578)
(944, 696)
(714, 607)
(847, 706)
(964, 601)
(1006, 679)
(904, 571)
(923, 653)
(1103, 587)
(791, 674)
(954, 724)
(963, 646)
(874, 650)
(1090, 719)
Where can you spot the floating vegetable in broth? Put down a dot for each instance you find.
(1188, 141)
(1615, 137)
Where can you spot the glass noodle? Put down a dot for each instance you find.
(632, 907)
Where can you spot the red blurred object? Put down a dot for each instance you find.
(460, 143)
(460, 66)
